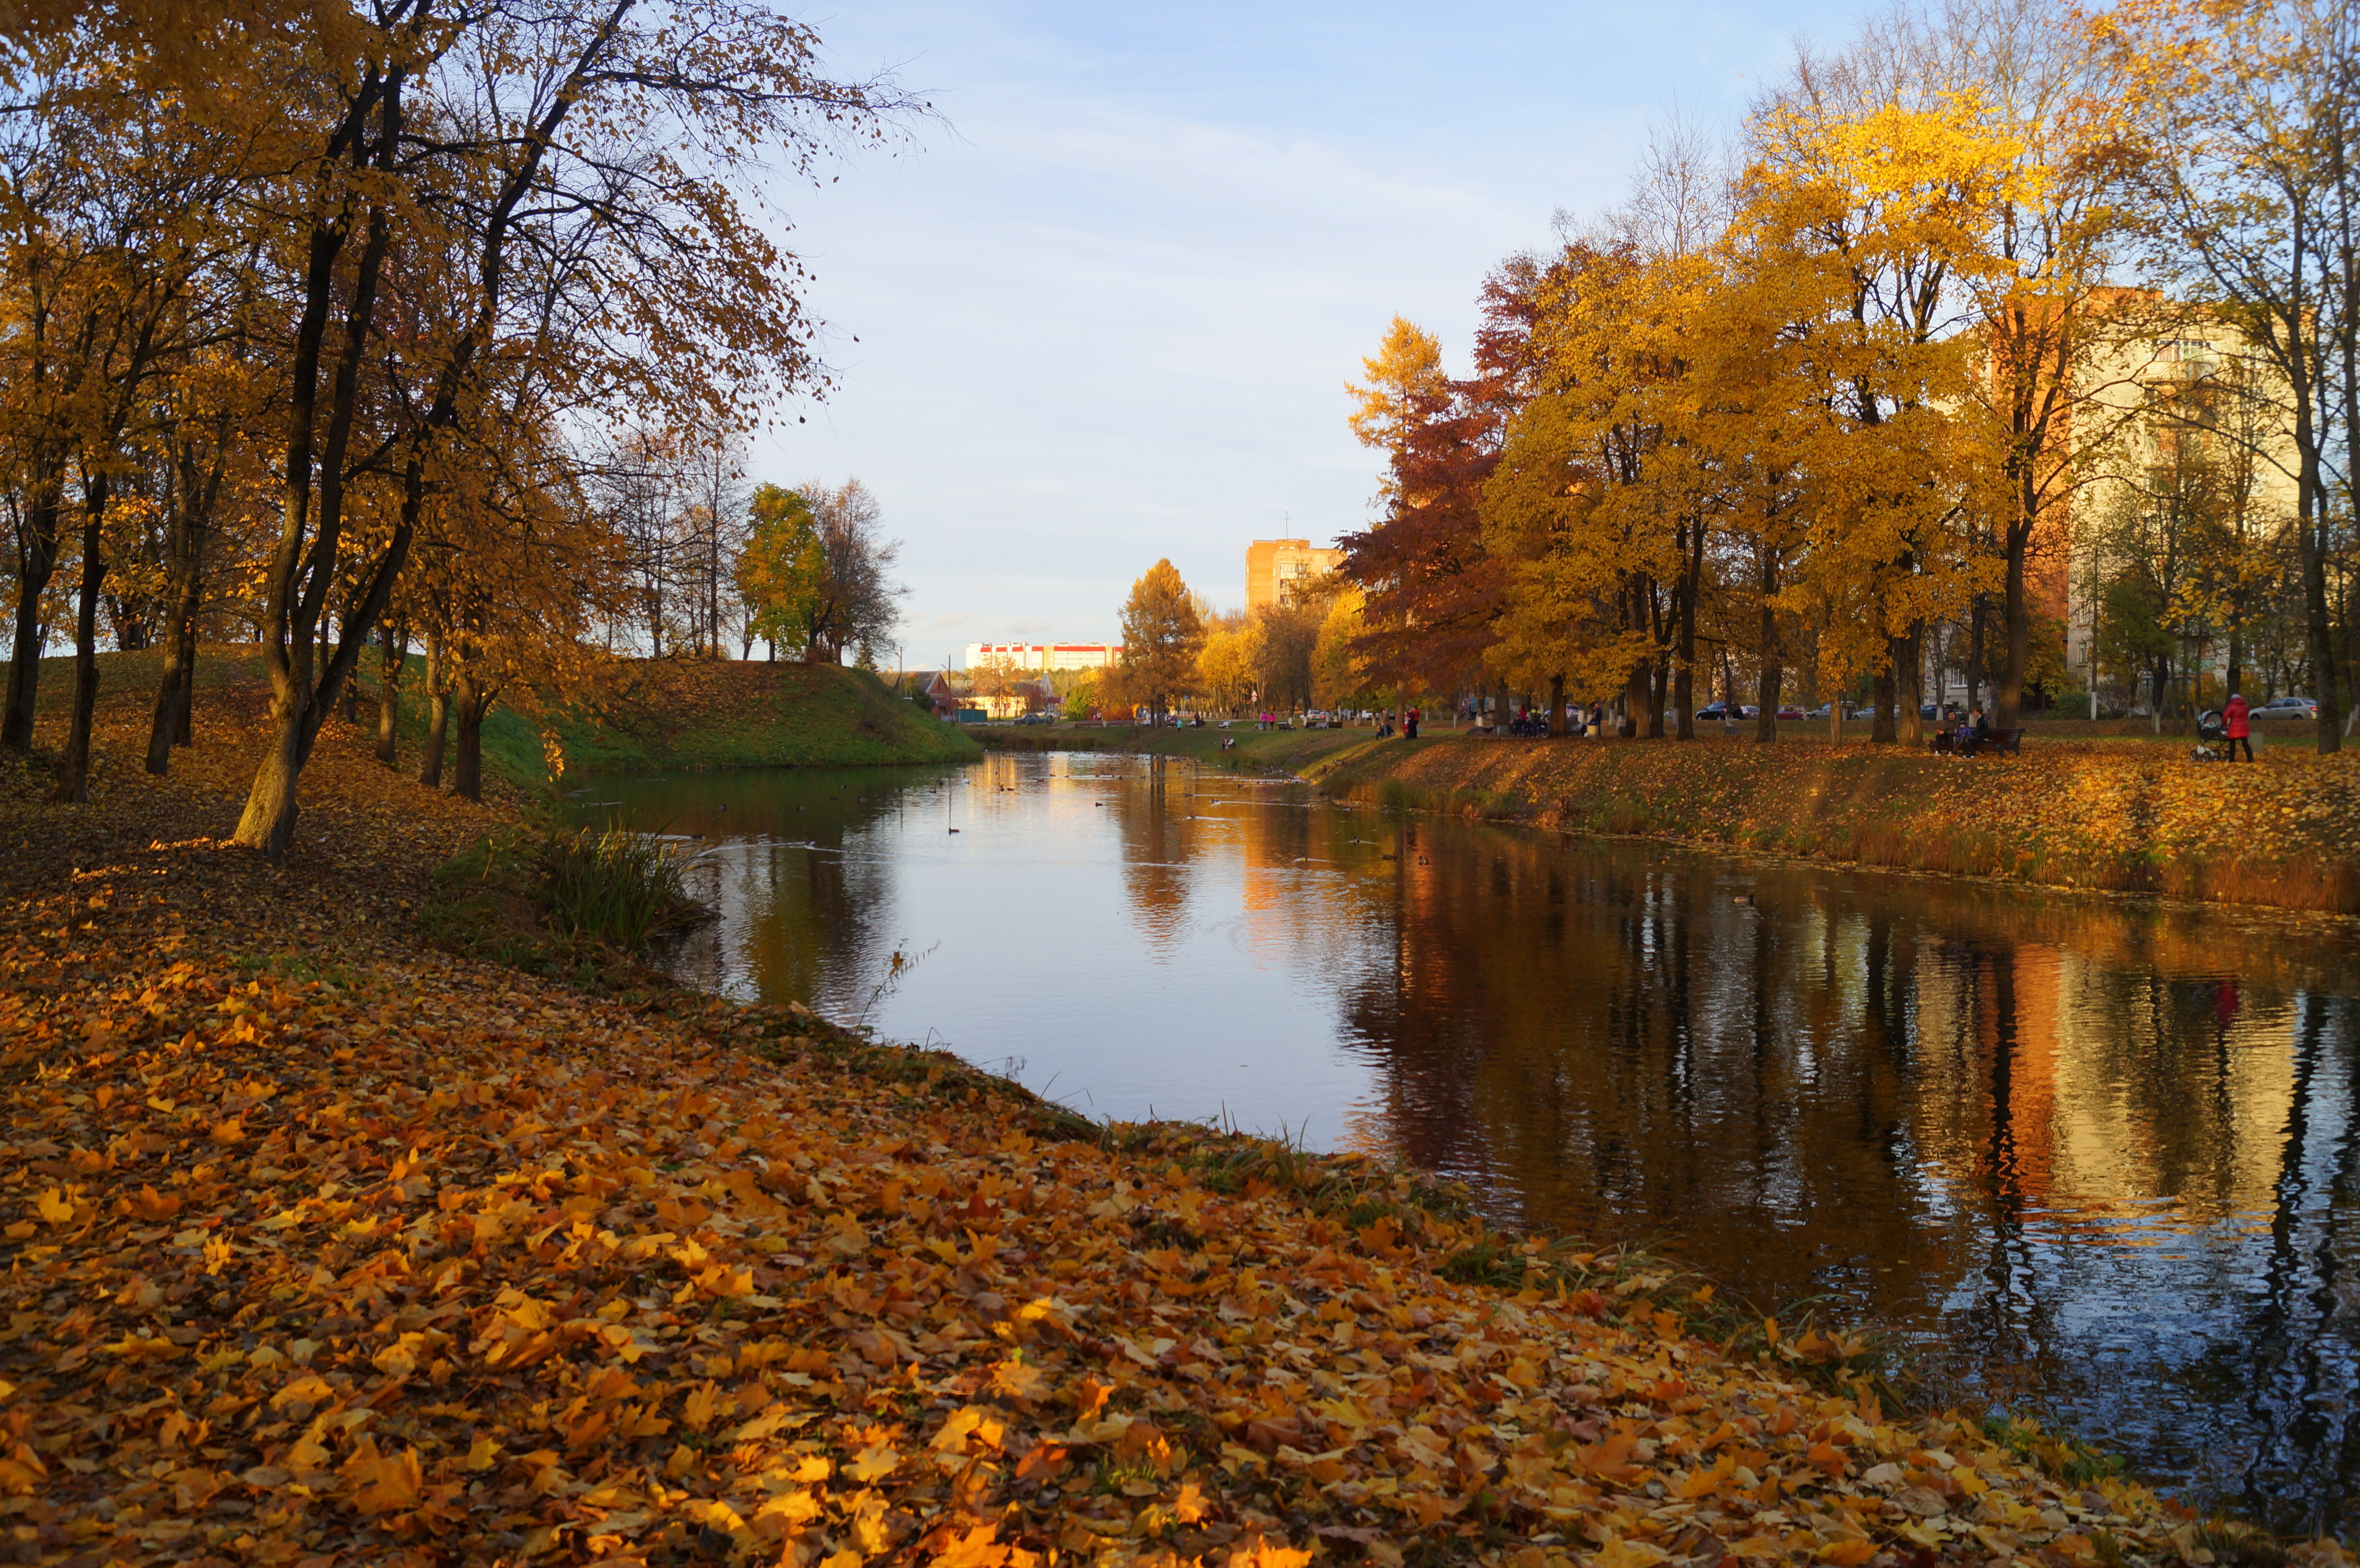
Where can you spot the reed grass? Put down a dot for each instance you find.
(624, 889)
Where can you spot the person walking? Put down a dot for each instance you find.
(2236, 727)
(1409, 728)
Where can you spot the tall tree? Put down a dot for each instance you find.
(615, 139)
(780, 570)
(851, 604)
(1163, 632)
(2244, 117)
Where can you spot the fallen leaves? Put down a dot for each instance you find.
(2119, 815)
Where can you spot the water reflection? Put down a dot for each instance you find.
(2093, 1156)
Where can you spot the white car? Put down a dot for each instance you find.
(2285, 708)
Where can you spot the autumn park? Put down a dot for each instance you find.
(1757, 966)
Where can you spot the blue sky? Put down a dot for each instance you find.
(1106, 308)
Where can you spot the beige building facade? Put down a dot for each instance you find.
(1277, 569)
(2161, 404)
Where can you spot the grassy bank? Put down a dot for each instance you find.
(2117, 815)
(1289, 749)
(694, 713)
(2120, 814)
(320, 1244)
(652, 714)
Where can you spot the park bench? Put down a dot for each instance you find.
(2009, 741)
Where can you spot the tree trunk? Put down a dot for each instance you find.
(1683, 692)
(38, 564)
(1772, 680)
(388, 694)
(2018, 615)
(2316, 622)
(1635, 699)
(471, 703)
(73, 770)
(1556, 707)
(350, 703)
(1882, 731)
(179, 636)
(1684, 621)
(1912, 679)
(437, 711)
(1977, 615)
(184, 732)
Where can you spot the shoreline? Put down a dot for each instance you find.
(2108, 816)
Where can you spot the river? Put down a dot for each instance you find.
(2093, 1159)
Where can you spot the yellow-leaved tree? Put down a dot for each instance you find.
(1162, 631)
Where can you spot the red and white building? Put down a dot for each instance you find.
(1043, 654)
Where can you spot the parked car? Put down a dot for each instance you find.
(1822, 712)
(1713, 714)
(2286, 708)
(1790, 712)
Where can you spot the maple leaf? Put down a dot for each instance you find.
(1020, 1380)
(382, 1483)
(873, 1463)
(977, 1549)
(1262, 1552)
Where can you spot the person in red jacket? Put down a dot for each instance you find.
(2236, 729)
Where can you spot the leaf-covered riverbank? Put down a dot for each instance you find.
(2118, 814)
(2122, 816)
(324, 1246)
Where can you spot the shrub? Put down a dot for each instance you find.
(621, 887)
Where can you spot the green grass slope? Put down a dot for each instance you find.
(1290, 750)
(689, 713)
(653, 713)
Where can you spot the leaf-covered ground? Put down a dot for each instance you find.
(323, 1248)
(2117, 815)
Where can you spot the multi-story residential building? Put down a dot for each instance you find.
(1276, 569)
(1043, 655)
(2177, 424)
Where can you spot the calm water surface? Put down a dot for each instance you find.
(2096, 1159)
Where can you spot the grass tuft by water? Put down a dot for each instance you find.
(625, 888)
